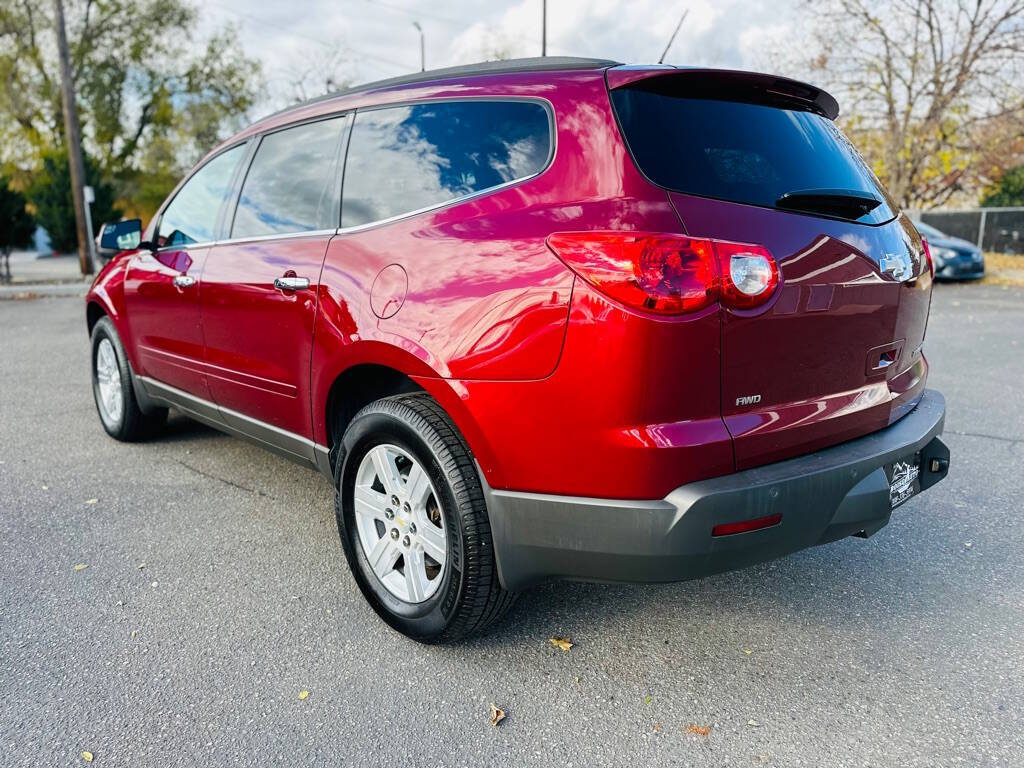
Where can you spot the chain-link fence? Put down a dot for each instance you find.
(991, 229)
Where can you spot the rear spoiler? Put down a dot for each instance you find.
(725, 83)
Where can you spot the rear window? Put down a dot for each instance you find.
(404, 159)
(740, 151)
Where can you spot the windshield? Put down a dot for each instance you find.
(747, 152)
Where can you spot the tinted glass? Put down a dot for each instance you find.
(401, 159)
(741, 152)
(289, 186)
(192, 215)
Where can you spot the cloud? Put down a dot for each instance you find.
(361, 40)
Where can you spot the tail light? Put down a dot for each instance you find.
(749, 274)
(928, 257)
(669, 274)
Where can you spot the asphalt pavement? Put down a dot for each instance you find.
(167, 603)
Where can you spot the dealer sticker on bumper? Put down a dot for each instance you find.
(904, 480)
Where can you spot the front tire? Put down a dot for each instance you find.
(413, 521)
(113, 390)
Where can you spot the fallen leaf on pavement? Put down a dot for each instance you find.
(81, 567)
(561, 642)
(700, 730)
(91, 501)
(497, 714)
(748, 651)
(303, 695)
(657, 727)
(134, 633)
(87, 756)
(647, 699)
(753, 723)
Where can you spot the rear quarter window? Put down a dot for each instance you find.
(740, 151)
(407, 158)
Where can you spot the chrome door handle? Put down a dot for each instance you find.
(184, 281)
(291, 283)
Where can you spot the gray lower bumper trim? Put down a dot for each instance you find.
(822, 497)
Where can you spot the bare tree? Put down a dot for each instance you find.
(311, 76)
(926, 87)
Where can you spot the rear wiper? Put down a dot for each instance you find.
(846, 203)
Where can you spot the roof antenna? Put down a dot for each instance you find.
(673, 38)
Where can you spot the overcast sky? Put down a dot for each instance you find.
(362, 40)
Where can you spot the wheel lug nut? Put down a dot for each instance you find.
(389, 514)
(394, 501)
(412, 527)
(406, 507)
(394, 533)
(405, 541)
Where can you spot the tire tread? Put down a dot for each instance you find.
(483, 601)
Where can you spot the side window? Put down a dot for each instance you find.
(401, 159)
(192, 215)
(289, 186)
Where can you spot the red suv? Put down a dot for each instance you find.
(552, 318)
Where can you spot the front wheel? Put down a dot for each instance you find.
(413, 521)
(113, 391)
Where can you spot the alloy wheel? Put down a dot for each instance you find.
(400, 525)
(108, 376)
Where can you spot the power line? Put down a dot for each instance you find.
(444, 19)
(333, 46)
(423, 14)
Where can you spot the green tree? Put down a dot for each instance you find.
(1007, 191)
(50, 195)
(16, 225)
(142, 77)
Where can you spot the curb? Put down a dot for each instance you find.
(23, 291)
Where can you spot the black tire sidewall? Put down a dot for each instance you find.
(104, 329)
(421, 620)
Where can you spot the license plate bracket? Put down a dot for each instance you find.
(904, 479)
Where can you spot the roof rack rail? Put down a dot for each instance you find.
(535, 64)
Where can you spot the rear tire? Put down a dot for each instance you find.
(113, 389)
(414, 438)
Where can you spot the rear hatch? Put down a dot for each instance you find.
(836, 352)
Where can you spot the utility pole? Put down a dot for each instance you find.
(423, 53)
(673, 38)
(73, 139)
(544, 27)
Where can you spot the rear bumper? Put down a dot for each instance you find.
(824, 496)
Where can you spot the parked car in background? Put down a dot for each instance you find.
(541, 319)
(955, 259)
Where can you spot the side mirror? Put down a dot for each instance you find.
(121, 235)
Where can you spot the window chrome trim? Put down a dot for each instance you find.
(267, 238)
(552, 152)
(185, 246)
(260, 238)
(437, 206)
